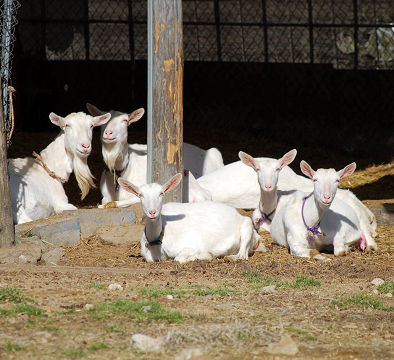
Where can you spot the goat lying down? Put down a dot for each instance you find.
(236, 184)
(191, 231)
(318, 220)
(36, 186)
(130, 160)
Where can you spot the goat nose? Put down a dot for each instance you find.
(327, 197)
(108, 132)
(152, 212)
(85, 146)
(268, 186)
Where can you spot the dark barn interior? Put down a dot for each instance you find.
(301, 74)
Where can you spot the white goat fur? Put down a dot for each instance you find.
(34, 193)
(339, 224)
(192, 231)
(132, 158)
(235, 184)
(271, 199)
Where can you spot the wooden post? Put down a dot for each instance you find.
(165, 92)
(7, 236)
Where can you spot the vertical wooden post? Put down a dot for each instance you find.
(165, 92)
(6, 221)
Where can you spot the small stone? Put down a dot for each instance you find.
(146, 343)
(88, 306)
(286, 346)
(358, 316)
(190, 354)
(54, 256)
(169, 297)
(115, 286)
(321, 258)
(377, 281)
(376, 292)
(146, 308)
(389, 295)
(268, 289)
(22, 259)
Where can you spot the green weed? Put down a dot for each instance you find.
(98, 346)
(145, 311)
(74, 353)
(300, 333)
(11, 295)
(300, 282)
(96, 285)
(157, 292)
(360, 299)
(386, 287)
(12, 347)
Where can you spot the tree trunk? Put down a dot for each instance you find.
(165, 115)
(6, 221)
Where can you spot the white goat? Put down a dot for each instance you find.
(235, 184)
(36, 185)
(271, 199)
(130, 160)
(306, 221)
(190, 231)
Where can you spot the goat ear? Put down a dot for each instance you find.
(128, 186)
(136, 115)
(172, 183)
(57, 120)
(347, 170)
(93, 110)
(101, 119)
(249, 160)
(287, 158)
(306, 169)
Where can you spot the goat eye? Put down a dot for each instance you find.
(140, 196)
(314, 180)
(92, 126)
(161, 194)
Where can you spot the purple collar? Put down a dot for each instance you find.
(314, 229)
(263, 217)
(117, 175)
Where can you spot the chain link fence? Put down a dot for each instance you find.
(247, 62)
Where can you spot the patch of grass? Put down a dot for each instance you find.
(8, 294)
(12, 347)
(195, 290)
(28, 309)
(300, 333)
(300, 282)
(200, 291)
(98, 346)
(157, 292)
(50, 328)
(386, 287)
(74, 353)
(360, 299)
(96, 285)
(23, 308)
(114, 329)
(144, 311)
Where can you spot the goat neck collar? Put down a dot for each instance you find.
(51, 173)
(264, 216)
(314, 229)
(117, 174)
(156, 241)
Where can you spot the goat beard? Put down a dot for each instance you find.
(83, 175)
(111, 153)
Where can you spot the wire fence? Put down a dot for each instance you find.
(8, 22)
(350, 34)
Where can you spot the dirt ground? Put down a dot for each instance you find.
(220, 309)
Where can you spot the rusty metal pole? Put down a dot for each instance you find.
(7, 236)
(165, 92)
